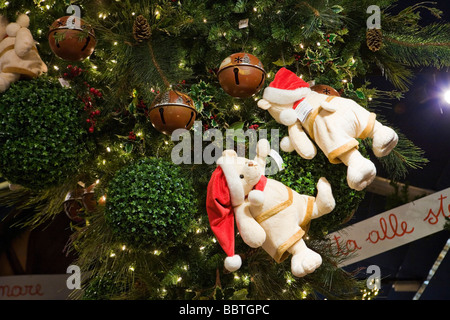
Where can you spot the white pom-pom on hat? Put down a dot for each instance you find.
(12, 28)
(233, 263)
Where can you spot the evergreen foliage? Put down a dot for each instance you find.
(42, 140)
(181, 47)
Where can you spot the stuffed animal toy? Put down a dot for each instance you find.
(268, 213)
(19, 56)
(333, 123)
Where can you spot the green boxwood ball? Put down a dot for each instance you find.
(42, 139)
(150, 203)
(302, 176)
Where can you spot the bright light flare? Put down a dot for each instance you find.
(447, 96)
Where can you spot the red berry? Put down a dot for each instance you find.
(91, 129)
(88, 120)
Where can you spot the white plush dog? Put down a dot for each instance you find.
(268, 213)
(333, 123)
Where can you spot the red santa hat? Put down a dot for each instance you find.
(225, 191)
(286, 88)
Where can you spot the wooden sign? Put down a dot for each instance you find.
(34, 287)
(393, 228)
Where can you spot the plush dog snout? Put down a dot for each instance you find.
(251, 163)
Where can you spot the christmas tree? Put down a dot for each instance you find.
(142, 230)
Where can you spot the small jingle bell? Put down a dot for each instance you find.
(241, 75)
(71, 38)
(172, 110)
(324, 89)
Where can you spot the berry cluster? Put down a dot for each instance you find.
(87, 95)
(89, 106)
(132, 136)
(73, 71)
(142, 106)
(253, 126)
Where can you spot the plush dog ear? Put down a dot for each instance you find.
(23, 20)
(263, 148)
(228, 162)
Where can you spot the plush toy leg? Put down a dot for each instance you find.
(360, 171)
(6, 79)
(303, 260)
(384, 140)
(301, 142)
(325, 202)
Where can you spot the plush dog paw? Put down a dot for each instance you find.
(305, 262)
(324, 200)
(360, 174)
(286, 144)
(264, 104)
(384, 140)
(288, 117)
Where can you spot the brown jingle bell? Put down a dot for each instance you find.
(78, 201)
(324, 89)
(71, 41)
(172, 110)
(241, 75)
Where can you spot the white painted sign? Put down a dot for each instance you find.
(393, 228)
(34, 287)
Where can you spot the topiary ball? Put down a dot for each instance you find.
(302, 176)
(150, 203)
(42, 139)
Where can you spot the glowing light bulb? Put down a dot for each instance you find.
(447, 96)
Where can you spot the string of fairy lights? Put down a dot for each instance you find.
(177, 279)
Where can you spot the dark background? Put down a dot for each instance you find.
(424, 117)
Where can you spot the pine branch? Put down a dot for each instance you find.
(430, 46)
(399, 75)
(406, 156)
